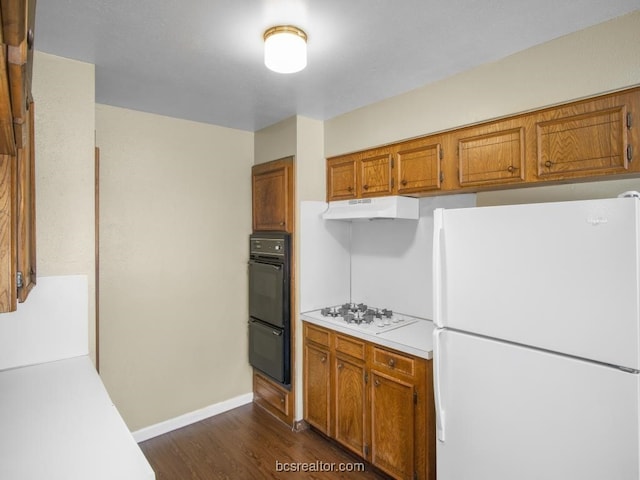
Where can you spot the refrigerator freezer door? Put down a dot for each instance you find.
(513, 412)
(558, 276)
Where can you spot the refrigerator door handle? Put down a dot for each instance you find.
(437, 387)
(438, 267)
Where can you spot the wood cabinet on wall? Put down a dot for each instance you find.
(490, 154)
(402, 169)
(588, 138)
(365, 174)
(591, 139)
(375, 401)
(272, 195)
(17, 154)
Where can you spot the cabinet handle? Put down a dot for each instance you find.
(349, 189)
(377, 383)
(323, 359)
(511, 169)
(392, 362)
(281, 224)
(365, 186)
(548, 164)
(403, 182)
(281, 399)
(340, 365)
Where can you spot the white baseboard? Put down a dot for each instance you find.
(191, 417)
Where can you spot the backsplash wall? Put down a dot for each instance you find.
(391, 260)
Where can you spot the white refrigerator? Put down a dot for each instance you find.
(537, 341)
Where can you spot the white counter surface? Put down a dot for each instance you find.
(414, 338)
(58, 422)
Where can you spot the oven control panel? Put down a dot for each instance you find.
(267, 246)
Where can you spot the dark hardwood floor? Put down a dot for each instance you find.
(248, 443)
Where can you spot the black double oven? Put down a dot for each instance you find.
(269, 305)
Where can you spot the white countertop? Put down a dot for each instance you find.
(58, 422)
(414, 338)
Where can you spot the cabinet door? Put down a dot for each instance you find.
(317, 387)
(349, 407)
(273, 397)
(272, 196)
(590, 143)
(491, 158)
(375, 173)
(26, 250)
(341, 178)
(418, 167)
(392, 425)
(8, 234)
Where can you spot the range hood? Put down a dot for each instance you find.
(373, 208)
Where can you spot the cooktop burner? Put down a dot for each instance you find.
(359, 316)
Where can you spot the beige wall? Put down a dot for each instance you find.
(175, 215)
(311, 171)
(276, 141)
(63, 92)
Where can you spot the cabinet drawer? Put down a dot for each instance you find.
(349, 346)
(269, 394)
(316, 334)
(393, 361)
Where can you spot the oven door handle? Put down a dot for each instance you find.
(276, 266)
(274, 332)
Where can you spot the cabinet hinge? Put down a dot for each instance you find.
(629, 122)
(392, 163)
(366, 450)
(441, 177)
(441, 154)
(366, 377)
(415, 397)
(19, 280)
(415, 475)
(629, 152)
(392, 182)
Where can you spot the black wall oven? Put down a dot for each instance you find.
(269, 298)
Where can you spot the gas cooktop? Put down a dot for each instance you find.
(361, 317)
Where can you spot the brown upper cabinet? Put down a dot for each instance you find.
(589, 139)
(419, 166)
(17, 154)
(491, 155)
(272, 195)
(375, 173)
(405, 168)
(341, 178)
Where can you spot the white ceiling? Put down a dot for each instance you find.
(202, 59)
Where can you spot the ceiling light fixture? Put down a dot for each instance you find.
(285, 49)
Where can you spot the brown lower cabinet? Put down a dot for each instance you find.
(273, 397)
(375, 401)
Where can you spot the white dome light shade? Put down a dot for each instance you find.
(285, 49)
